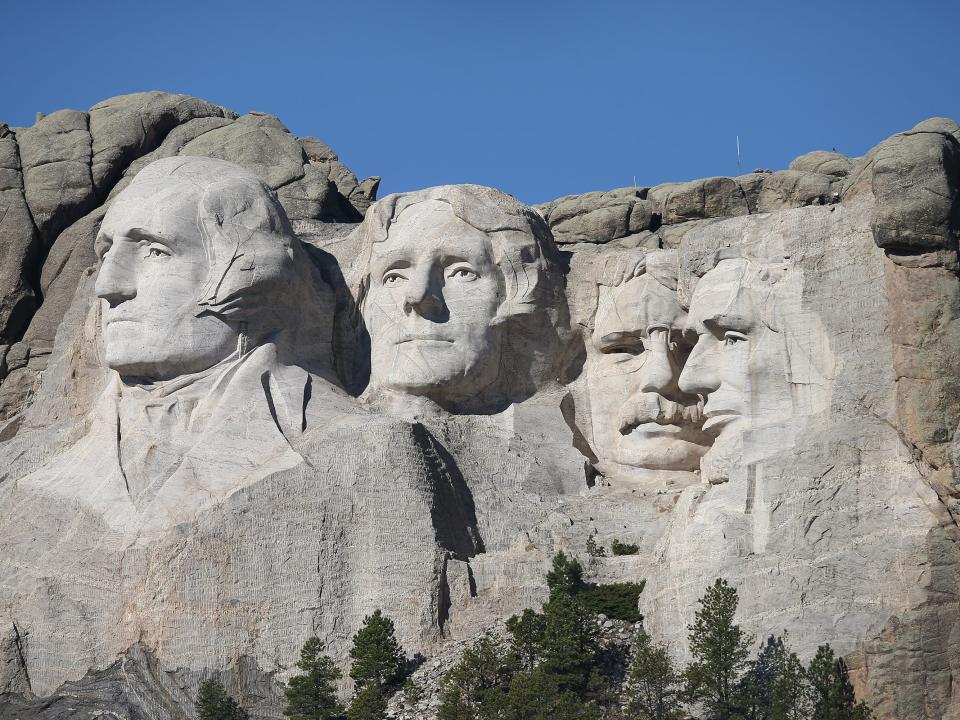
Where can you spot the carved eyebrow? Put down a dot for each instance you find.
(102, 244)
(144, 235)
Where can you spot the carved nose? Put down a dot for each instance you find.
(424, 296)
(700, 375)
(659, 371)
(114, 283)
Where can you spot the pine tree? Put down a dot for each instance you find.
(537, 695)
(213, 703)
(368, 704)
(566, 575)
(653, 688)
(773, 687)
(311, 696)
(377, 657)
(720, 650)
(569, 645)
(526, 643)
(475, 688)
(831, 695)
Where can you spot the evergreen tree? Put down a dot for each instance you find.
(653, 688)
(537, 695)
(831, 695)
(595, 549)
(311, 695)
(773, 687)
(368, 704)
(213, 703)
(526, 643)
(569, 645)
(720, 650)
(377, 657)
(475, 688)
(566, 575)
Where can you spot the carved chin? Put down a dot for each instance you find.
(428, 368)
(660, 453)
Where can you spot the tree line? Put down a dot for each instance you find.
(555, 666)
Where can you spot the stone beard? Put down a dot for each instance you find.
(446, 274)
(635, 352)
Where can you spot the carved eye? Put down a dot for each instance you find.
(629, 346)
(464, 274)
(732, 337)
(156, 251)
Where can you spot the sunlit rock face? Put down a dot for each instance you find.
(256, 404)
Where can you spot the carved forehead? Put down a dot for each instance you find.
(723, 295)
(635, 305)
(432, 226)
(162, 206)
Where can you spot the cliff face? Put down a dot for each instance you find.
(755, 378)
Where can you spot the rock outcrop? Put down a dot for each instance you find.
(245, 403)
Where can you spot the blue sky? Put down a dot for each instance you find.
(540, 99)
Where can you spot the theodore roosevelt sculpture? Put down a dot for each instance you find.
(217, 327)
(643, 425)
(462, 296)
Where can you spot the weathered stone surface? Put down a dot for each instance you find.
(126, 127)
(742, 376)
(791, 189)
(19, 249)
(699, 199)
(55, 155)
(598, 217)
(915, 178)
(824, 163)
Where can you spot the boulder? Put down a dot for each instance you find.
(599, 217)
(126, 127)
(55, 156)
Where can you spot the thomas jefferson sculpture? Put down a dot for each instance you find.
(457, 286)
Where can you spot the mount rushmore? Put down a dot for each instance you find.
(244, 402)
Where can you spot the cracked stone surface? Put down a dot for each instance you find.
(244, 402)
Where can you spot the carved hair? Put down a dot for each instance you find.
(520, 239)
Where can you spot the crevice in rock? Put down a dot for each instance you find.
(21, 655)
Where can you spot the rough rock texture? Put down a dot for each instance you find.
(754, 377)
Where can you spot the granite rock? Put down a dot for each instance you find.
(239, 418)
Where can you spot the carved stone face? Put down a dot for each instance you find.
(153, 267)
(640, 417)
(739, 363)
(434, 292)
